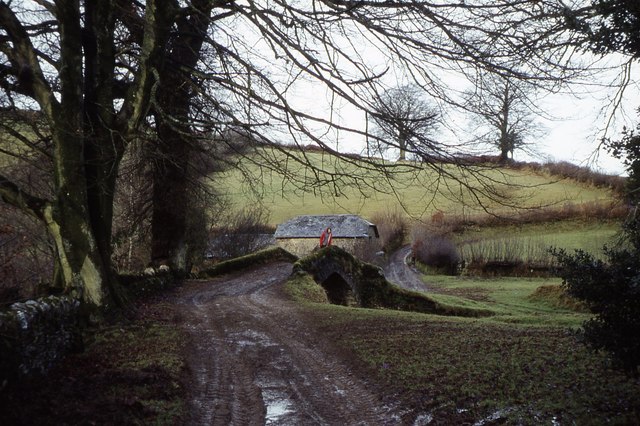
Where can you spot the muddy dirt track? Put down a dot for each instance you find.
(255, 360)
(400, 273)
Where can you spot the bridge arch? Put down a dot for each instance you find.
(333, 269)
(340, 273)
(339, 292)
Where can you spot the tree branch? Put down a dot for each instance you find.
(24, 58)
(11, 194)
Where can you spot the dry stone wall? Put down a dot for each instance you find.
(35, 334)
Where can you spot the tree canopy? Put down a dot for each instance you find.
(404, 120)
(81, 80)
(606, 26)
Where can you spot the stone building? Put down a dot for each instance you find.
(301, 235)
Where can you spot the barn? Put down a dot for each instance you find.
(301, 234)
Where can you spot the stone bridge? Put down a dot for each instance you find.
(348, 281)
(341, 274)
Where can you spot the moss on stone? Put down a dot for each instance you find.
(302, 288)
(36, 334)
(259, 258)
(371, 288)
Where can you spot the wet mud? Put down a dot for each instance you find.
(256, 361)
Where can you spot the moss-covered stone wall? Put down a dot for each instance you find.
(35, 334)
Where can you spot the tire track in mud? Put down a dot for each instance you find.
(255, 362)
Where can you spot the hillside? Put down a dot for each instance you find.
(287, 188)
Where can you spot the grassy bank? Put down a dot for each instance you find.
(458, 371)
(512, 299)
(521, 366)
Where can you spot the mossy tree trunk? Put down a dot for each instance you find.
(88, 134)
(172, 176)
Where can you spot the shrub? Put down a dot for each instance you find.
(568, 170)
(370, 252)
(556, 295)
(610, 290)
(435, 250)
(592, 210)
(392, 227)
(131, 238)
(243, 232)
(26, 256)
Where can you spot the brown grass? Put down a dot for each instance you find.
(556, 296)
(392, 227)
(588, 211)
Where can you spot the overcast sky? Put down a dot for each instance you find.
(574, 128)
(574, 124)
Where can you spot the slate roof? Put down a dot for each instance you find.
(311, 226)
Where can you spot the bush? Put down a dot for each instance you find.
(435, 250)
(392, 227)
(611, 287)
(610, 291)
(131, 233)
(556, 295)
(243, 232)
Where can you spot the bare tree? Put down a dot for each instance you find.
(61, 59)
(506, 113)
(404, 120)
(98, 72)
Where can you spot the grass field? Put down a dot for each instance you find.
(463, 372)
(531, 242)
(522, 366)
(345, 188)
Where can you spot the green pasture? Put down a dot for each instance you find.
(522, 366)
(511, 298)
(287, 188)
(531, 242)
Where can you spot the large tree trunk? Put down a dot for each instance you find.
(170, 197)
(171, 178)
(79, 264)
(505, 149)
(84, 270)
(88, 138)
(402, 145)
